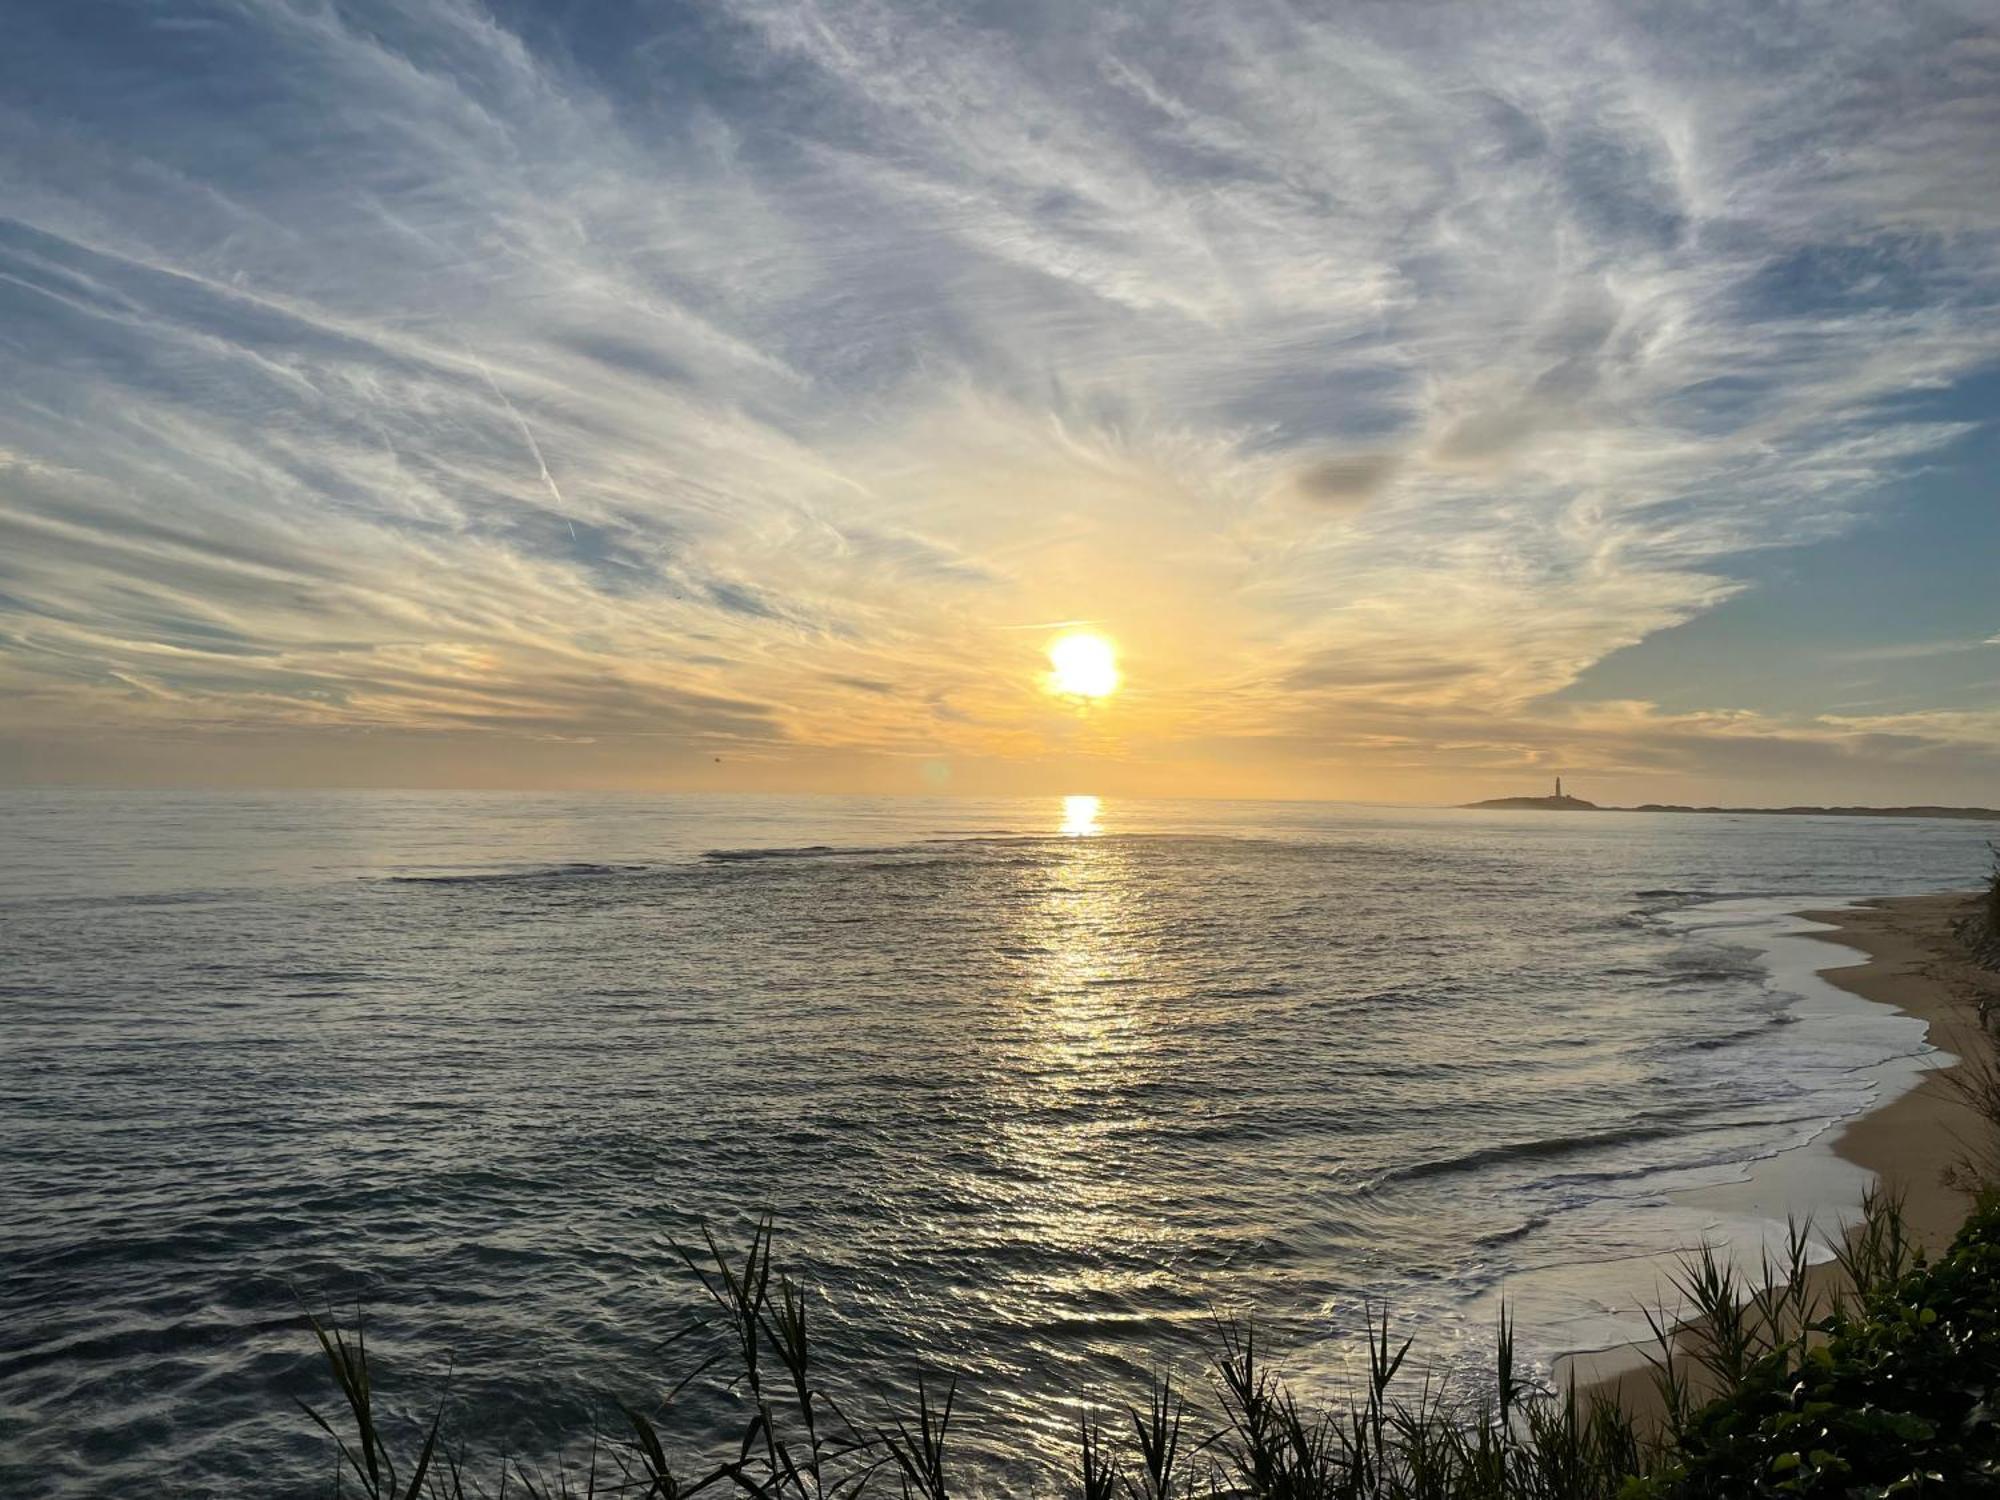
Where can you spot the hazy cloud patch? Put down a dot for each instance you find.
(1347, 480)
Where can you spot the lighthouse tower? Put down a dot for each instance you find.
(1559, 789)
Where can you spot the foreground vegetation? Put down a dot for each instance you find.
(1890, 1388)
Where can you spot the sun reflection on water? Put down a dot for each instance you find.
(1092, 1049)
(1080, 816)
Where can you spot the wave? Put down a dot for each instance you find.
(1507, 1236)
(994, 853)
(1722, 1039)
(1680, 896)
(573, 871)
(126, 1345)
(806, 851)
(1546, 1148)
(987, 844)
(1399, 997)
(1713, 973)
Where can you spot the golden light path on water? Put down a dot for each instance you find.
(1095, 1042)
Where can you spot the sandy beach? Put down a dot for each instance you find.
(1915, 963)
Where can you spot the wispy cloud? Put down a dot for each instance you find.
(731, 377)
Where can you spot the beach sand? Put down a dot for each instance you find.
(1916, 964)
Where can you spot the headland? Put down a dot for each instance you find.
(1563, 803)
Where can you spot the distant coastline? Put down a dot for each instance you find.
(1577, 804)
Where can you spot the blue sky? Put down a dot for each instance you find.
(1425, 399)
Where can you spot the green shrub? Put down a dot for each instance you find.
(1894, 1394)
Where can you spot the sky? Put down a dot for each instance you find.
(1425, 399)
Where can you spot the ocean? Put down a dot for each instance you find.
(1032, 1090)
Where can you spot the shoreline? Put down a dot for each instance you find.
(1916, 964)
(1911, 962)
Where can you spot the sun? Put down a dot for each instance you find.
(1083, 666)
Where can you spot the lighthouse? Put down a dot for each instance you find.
(1559, 789)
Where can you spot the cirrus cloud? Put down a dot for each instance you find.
(735, 376)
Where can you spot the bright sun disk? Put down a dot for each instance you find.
(1085, 665)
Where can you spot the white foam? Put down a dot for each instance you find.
(1743, 1207)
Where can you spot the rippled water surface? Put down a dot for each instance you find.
(1030, 1087)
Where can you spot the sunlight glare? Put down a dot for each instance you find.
(1080, 816)
(1085, 666)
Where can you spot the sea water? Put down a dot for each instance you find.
(1032, 1091)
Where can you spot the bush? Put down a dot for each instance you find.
(1892, 1393)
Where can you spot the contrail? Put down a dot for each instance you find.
(562, 506)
